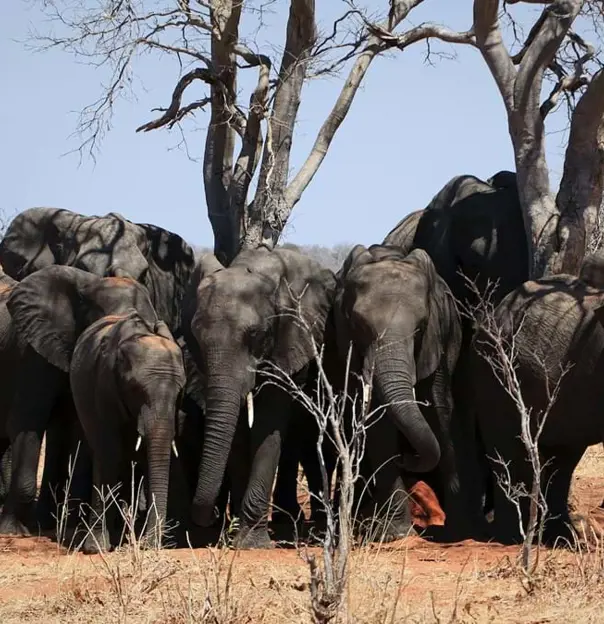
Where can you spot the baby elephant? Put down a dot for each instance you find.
(127, 377)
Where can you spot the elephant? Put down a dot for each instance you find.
(555, 326)
(74, 299)
(475, 228)
(474, 232)
(10, 356)
(106, 246)
(400, 318)
(127, 376)
(264, 313)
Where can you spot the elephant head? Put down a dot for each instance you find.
(266, 306)
(51, 307)
(397, 313)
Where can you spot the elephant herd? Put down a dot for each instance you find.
(122, 349)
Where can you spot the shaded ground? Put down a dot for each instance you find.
(410, 580)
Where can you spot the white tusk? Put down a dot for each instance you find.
(138, 443)
(366, 390)
(413, 393)
(174, 449)
(250, 409)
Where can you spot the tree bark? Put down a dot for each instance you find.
(581, 187)
(220, 139)
(267, 213)
(521, 92)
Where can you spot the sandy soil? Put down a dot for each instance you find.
(409, 581)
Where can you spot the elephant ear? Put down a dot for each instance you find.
(44, 308)
(442, 325)
(207, 264)
(357, 256)
(304, 301)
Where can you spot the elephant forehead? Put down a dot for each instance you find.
(159, 343)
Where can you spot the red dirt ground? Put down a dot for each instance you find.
(37, 579)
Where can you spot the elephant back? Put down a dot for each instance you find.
(475, 228)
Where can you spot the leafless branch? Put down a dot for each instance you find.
(174, 113)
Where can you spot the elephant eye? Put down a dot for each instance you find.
(256, 340)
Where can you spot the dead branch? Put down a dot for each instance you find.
(174, 113)
(398, 12)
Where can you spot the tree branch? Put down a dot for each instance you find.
(490, 43)
(554, 24)
(225, 16)
(582, 182)
(423, 31)
(300, 38)
(174, 112)
(251, 148)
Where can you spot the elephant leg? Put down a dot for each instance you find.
(27, 422)
(450, 439)
(474, 471)
(107, 466)
(314, 476)
(514, 471)
(5, 469)
(286, 510)
(556, 480)
(67, 476)
(391, 508)
(270, 426)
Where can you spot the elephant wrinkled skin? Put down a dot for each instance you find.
(401, 320)
(260, 311)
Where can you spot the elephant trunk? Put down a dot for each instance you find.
(223, 403)
(393, 376)
(159, 434)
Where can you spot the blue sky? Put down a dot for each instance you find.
(411, 128)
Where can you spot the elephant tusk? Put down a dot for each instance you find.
(250, 409)
(174, 449)
(366, 390)
(138, 443)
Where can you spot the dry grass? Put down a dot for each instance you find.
(412, 581)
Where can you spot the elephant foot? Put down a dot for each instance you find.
(381, 531)
(97, 543)
(506, 534)
(249, 538)
(569, 531)
(13, 521)
(10, 525)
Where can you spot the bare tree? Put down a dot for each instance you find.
(244, 145)
(559, 226)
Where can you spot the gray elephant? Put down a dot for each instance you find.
(127, 377)
(473, 227)
(110, 245)
(401, 320)
(556, 326)
(106, 246)
(10, 356)
(473, 230)
(256, 315)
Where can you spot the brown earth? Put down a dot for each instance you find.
(412, 580)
